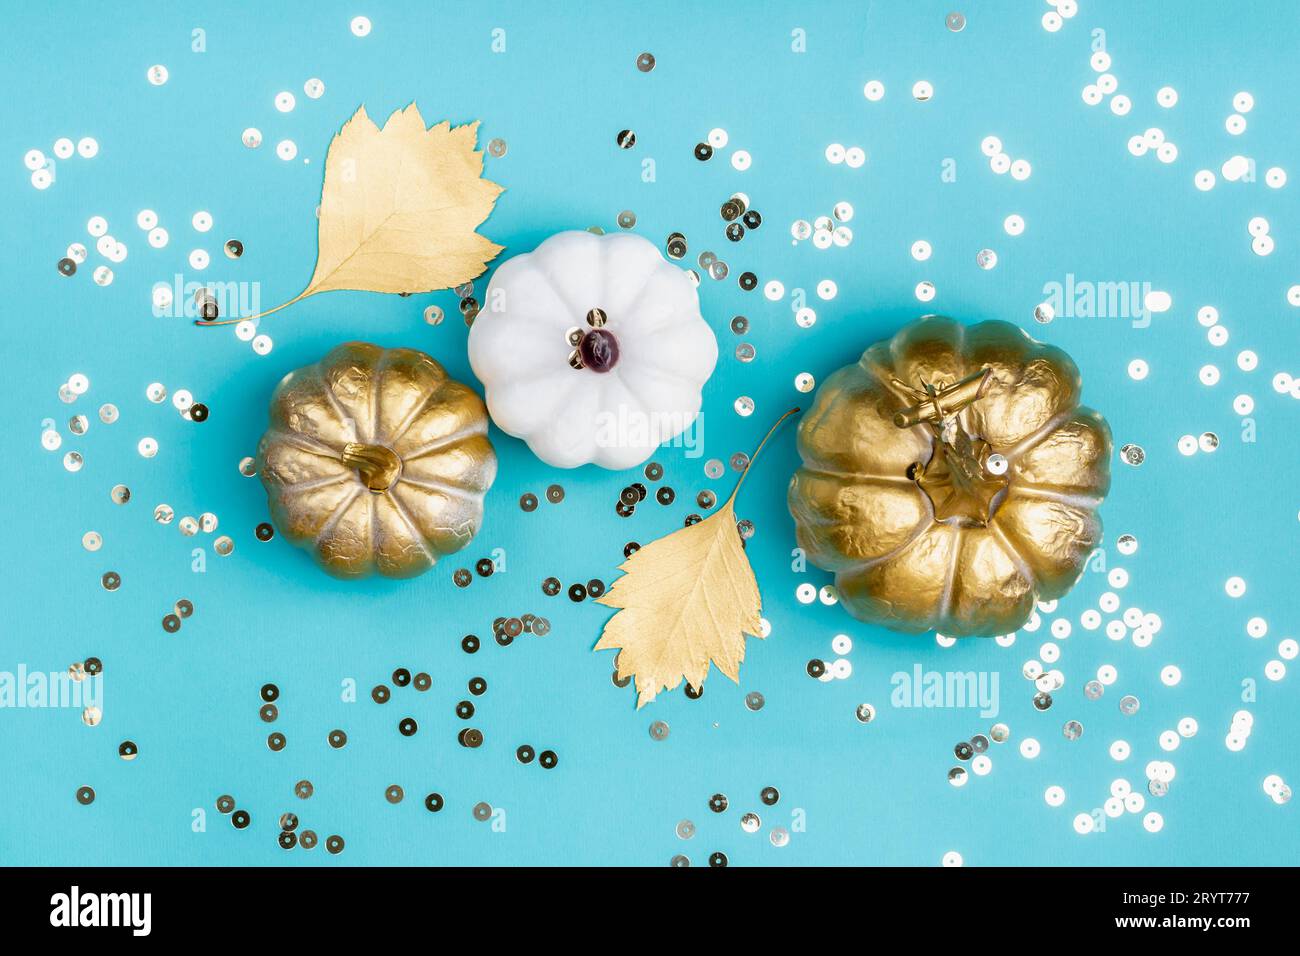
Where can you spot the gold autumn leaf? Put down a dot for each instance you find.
(399, 208)
(685, 600)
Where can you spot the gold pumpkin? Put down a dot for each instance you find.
(950, 478)
(376, 461)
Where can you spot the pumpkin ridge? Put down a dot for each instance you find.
(987, 584)
(327, 528)
(605, 456)
(1031, 441)
(416, 534)
(1014, 554)
(663, 327)
(444, 443)
(311, 484)
(667, 269)
(575, 314)
(818, 531)
(376, 386)
(494, 398)
(885, 378)
(950, 578)
(463, 531)
(457, 491)
(372, 504)
(604, 271)
(925, 524)
(826, 415)
(652, 370)
(548, 313)
(667, 371)
(860, 477)
(390, 359)
(958, 347)
(1085, 431)
(346, 422)
(394, 436)
(622, 380)
(352, 363)
(1077, 523)
(1026, 490)
(304, 443)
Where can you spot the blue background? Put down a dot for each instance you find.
(563, 88)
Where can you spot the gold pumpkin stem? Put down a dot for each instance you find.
(754, 457)
(377, 465)
(954, 478)
(939, 403)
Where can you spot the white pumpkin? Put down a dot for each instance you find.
(592, 349)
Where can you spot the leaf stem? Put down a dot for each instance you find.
(205, 323)
(754, 457)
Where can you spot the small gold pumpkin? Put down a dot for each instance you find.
(376, 461)
(950, 478)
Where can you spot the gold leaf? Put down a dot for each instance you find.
(399, 208)
(685, 600)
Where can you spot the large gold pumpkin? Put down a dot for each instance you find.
(950, 478)
(376, 461)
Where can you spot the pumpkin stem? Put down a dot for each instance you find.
(956, 483)
(955, 478)
(940, 403)
(378, 465)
